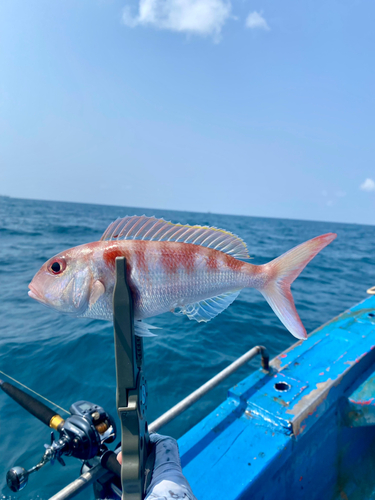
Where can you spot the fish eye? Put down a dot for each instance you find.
(57, 266)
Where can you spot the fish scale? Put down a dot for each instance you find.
(176, 281)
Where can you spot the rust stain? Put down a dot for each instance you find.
(340, 357)
(306, 401)
(362, 402)
(276, 363)
(280, 401)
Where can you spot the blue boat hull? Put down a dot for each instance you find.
(306, 429)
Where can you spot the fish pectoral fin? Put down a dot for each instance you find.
(143, 329)
(208, 308)
(97, 290)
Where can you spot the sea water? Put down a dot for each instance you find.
(69, 359)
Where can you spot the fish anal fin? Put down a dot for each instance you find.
(142, 329)
(207, 309)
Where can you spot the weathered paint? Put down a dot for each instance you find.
(265, 444)
(361, 403)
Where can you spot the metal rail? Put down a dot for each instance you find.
(80, 483)
(96, 472)
(208, 386)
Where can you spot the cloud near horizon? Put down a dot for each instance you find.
(255, 20)
(199, 17)
(368, 185)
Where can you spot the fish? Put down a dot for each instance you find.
(197, 271)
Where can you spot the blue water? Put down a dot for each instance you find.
(67, 359)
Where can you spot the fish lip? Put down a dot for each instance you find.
(34, 294)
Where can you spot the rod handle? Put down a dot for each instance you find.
(33, 406)
(109, 462)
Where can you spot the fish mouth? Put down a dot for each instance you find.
(34, 294)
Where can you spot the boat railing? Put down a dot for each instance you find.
(183, 405)
(97, 471)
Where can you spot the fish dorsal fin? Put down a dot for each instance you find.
(208, 308)
(153, 229)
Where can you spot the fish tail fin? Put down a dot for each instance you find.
(280, 274)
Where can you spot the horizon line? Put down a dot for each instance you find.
(187, 211)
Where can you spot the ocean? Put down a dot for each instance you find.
(69, 359)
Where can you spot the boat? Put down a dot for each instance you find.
(301, 426)
(303, 429)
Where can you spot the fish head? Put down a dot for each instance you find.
(64, 281)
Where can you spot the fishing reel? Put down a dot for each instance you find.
(82, 435)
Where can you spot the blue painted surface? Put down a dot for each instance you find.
(361, 403)
(265, 444)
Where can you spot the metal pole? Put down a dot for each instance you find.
(80, 483)
(96, 472)
(213, 382)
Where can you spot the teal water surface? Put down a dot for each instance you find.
(67, 359)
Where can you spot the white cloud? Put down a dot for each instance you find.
(368, 185)
(256, 21)
(200, 17)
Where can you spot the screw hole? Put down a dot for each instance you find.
(282, 386)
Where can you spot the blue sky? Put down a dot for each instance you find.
(247, 107)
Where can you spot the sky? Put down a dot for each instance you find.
(249, 107)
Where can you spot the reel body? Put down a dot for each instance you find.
(82, 435)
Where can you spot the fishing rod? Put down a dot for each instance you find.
(85, 433)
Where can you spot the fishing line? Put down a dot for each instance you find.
(28, 388)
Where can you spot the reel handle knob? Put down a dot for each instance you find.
(17, 478)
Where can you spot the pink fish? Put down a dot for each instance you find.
(184, 269)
